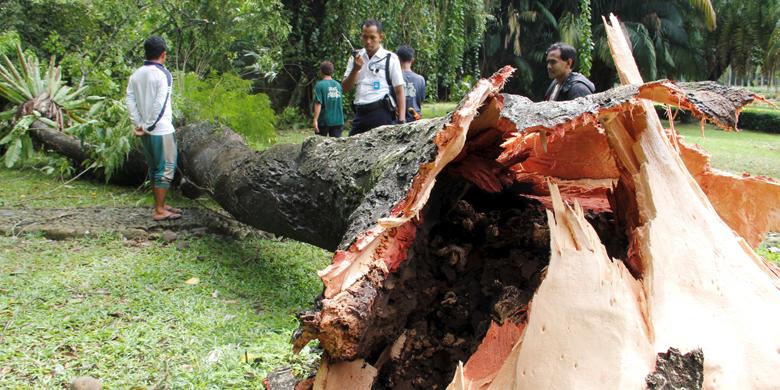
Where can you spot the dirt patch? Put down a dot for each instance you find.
(674, 370)
(133, 222)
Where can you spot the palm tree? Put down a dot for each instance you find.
(748, 39)
(667, 36)
(518, 34)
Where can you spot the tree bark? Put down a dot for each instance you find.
(324, 192)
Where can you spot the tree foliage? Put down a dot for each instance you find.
(446, 36)
(278, 45)
(226, 99)
(667, 37)
(101, 41)
(99, 44)
(748, 37)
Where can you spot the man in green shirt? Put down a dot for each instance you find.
(327, 101)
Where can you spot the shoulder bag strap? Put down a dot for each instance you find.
(165, 103)
(387, 77)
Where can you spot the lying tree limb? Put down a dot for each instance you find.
(133, 171)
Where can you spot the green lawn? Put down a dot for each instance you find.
(437, 109)
(122, 312)
(744, 151)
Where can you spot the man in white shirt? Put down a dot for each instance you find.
(375, 73)
(149, 105)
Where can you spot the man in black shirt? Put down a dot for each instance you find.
(566, 84)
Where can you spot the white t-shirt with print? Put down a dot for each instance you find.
(371, 84)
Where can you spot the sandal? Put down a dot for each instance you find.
(173, 209)
(169, 217)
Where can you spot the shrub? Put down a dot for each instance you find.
(37, 94)
(226, 99)
(291, 118)
(760, 120)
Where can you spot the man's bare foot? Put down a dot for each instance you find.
(165, 216)
(172, 209)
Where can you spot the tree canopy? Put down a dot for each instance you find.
(279, 43)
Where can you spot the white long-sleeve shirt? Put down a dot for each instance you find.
(146, 92)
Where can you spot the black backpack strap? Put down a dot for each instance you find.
(387, 77)
(167, 94)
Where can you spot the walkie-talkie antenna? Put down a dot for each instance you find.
(354, 52)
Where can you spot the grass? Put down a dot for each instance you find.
(437, 109)
(30, 188)
(121, 311)
(744, 151)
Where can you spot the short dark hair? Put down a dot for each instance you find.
(154, 47)
(372, 22)
(405, 53)
(326, 67)
(567, 52)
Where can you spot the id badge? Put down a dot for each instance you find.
(376, 85)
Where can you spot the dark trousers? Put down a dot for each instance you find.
(365, 121)
(331, 131)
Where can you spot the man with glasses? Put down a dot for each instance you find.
(376, 75)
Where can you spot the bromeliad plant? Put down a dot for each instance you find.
(37, 97)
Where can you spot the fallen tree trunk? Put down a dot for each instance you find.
(454, 243)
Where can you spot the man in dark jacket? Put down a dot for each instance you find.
(566, 84)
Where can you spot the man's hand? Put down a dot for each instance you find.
(349, 81)
(358, 63)
(316, 127)
(138, 132)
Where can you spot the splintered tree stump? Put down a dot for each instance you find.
(562, 245)
(522, 245)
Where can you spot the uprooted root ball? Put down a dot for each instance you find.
(479, 261)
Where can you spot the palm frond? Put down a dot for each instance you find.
(643, 48)
(674, 32)
(707, 11)
(548, 16)
(569, 28)
(6, 115)
(773, 48)
(14, 81)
